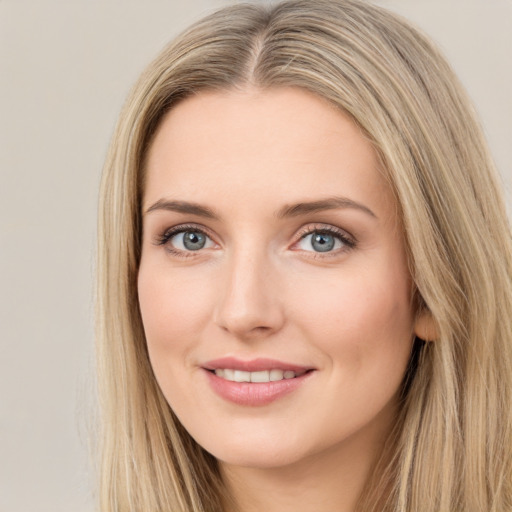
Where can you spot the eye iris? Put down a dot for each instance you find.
(193, 240)
(322, 242)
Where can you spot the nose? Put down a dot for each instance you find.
(250, 305)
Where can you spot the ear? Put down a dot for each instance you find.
(425, 327)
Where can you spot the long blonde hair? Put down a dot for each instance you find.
(452, 447)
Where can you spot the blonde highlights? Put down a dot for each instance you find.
(452, 444)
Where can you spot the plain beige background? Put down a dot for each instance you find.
(65, 69)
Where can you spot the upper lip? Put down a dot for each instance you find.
(254, 365)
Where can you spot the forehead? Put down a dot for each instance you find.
(275, 145)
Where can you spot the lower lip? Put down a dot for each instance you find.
(257, 393)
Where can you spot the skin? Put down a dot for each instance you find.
(259, 289)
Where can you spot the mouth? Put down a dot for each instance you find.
(273, 375)
(257, 382)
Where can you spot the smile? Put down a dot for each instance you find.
(257, 382)
(273, 375)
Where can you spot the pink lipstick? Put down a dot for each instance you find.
(257, 382)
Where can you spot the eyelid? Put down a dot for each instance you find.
(323, 227)
(348, 240)
(164, 237)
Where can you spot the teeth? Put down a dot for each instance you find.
(262, 376)
(241, 376)
(228, 374)
(276, 375)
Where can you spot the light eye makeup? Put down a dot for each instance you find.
(324, 240)
(321, 240)
(185, 240)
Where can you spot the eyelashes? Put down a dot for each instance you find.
(184, 239)
(324, 239)
(320, 240)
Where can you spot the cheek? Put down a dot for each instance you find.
(173, 307)
(171, 304)
(364, 330)
(362, 320)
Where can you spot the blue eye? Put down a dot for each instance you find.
(188, 240)
(321, 241)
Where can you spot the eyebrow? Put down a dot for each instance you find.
(294, 210)
(182, 207)
(330, 203)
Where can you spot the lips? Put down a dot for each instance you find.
(254, 383)
(255, 365)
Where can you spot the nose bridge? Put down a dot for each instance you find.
(249, 302)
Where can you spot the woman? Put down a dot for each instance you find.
(304, 275)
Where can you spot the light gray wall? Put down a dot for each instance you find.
(65, 68)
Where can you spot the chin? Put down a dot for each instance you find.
(259, 450)
(259, 458)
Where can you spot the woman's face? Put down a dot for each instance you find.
(272, 253)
